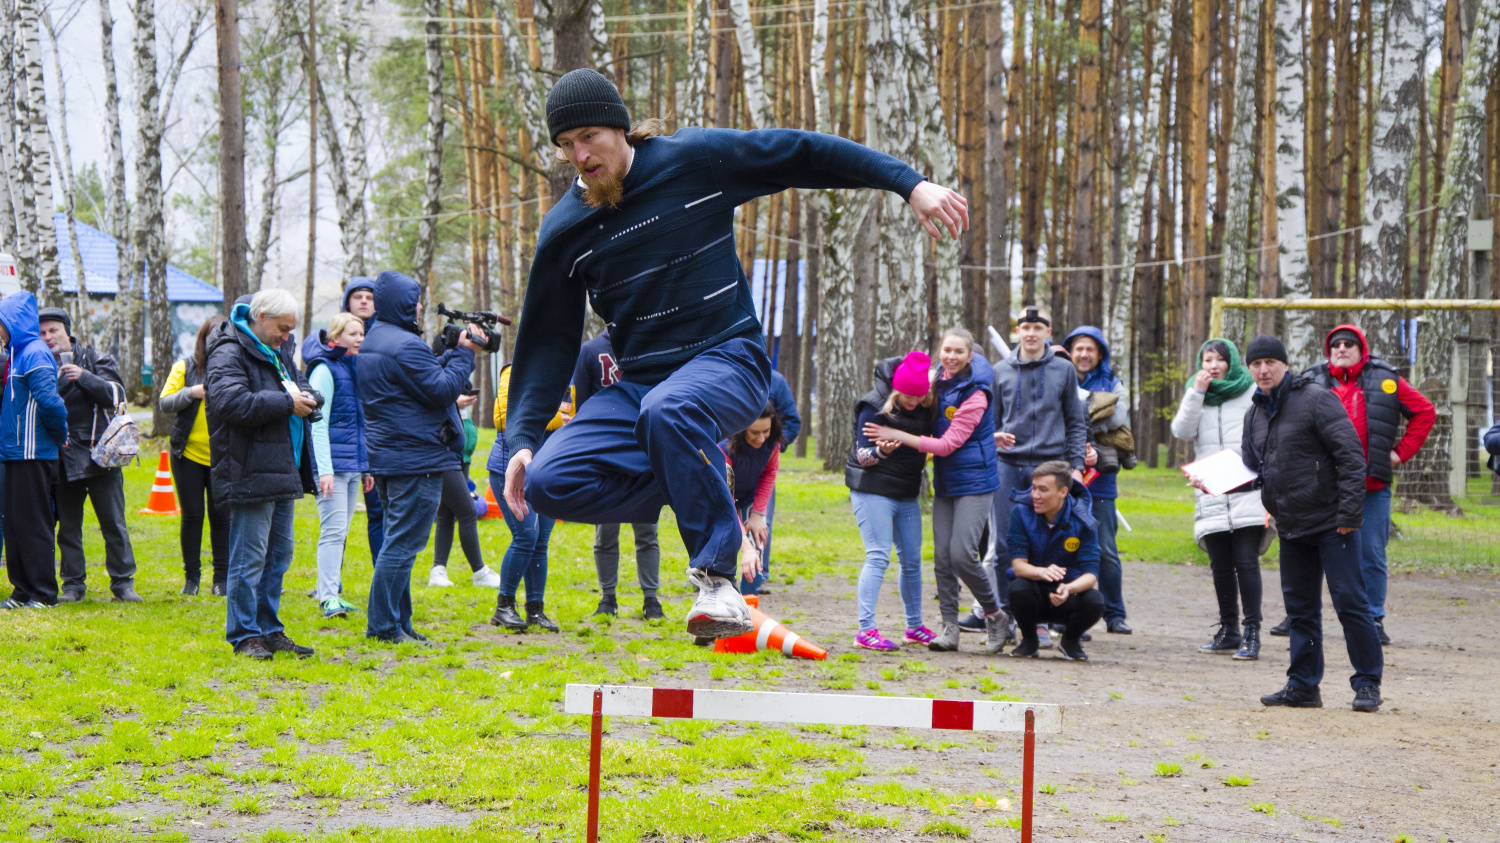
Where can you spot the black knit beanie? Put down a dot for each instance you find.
(56, 314)
(584, 97)
(1265, 347)
(1345, 334)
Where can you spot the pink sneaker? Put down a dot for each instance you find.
(919, 635)
(871, 639)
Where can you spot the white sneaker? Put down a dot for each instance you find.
(439, 577)
(486, 578)
(719, 611)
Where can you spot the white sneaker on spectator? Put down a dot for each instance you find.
(439, 577)
(486, 578)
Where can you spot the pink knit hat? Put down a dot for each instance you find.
(912, 376)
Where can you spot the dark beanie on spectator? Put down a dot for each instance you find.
(1265, 347)
(584, 97)
(1345, 334)
(56, 314)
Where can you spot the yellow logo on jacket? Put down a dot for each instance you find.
(1388, 386)
(1071, 544)
(950, 413)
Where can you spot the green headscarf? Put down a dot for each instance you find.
(1235, 381)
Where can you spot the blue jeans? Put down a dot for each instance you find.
(527, 555)
(260, 552)
(611, 463)
(1373, 536)
(1304, 564)
(410, 502)
(882, 522)
(374, 524)
(1111, 575)
(753, 586)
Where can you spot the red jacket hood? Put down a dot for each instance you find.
(1340, 372)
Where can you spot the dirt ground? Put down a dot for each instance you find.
(1424, 766)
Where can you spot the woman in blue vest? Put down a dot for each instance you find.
(338, 450)
(965, 478)
(885, 481)
(754, 459)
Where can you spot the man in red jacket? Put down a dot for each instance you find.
(1376, 398)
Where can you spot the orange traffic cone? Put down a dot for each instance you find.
(494, 505)
(163, 498)
(770, 635)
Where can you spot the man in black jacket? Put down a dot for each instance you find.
(257, 404)
(1312, 480)
(89, 384)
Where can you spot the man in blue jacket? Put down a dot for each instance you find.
(1054, 548)
(646, 235)
(414, 435)
(32, 409)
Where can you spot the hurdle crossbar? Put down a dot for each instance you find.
(822, 709)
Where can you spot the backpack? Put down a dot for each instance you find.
(121, 441)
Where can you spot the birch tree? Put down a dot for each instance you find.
(49, 291)
(117, 209)
(935, 149)
(1402, 96)
(900, 281)
(1291, 222)
(690, 104)
(754, 75)
(432, 200)
(64, 159)
(1242, 145)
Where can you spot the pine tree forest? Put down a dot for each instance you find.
(1125, 161)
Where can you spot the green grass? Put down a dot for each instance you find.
(1237, 781)
(1168, 769)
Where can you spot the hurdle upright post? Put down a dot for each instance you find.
(596, 739)
(1028, 761)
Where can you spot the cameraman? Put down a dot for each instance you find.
(414, 435)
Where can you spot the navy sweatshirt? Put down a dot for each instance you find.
(661, 269)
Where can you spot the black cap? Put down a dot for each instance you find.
(584, 97)
(1265, 347)
(56, 314)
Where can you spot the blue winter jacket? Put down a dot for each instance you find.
(748, 466)
(1102, 379)
(1072, 543)
(786, 407)
(970, 470)
(346, 417)
(408, 393)
(33, 418)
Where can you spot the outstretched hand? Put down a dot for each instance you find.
(937, 204)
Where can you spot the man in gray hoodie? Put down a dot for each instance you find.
(1038, 417)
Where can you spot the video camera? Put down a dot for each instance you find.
(457, 319)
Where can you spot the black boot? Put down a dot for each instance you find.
(190, 588)
(536, 617)
(505, 614)
(1226, 640)
(1282, 629)
(607, 606)
(1250, 644)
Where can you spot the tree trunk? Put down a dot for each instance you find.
(82, 329)
(807, 342)
(312, 165)
(49, 286)
(998, 118)
(1086, 287)
(1268, 259)
(116, 206)
(432, 198)
(1242, 147)
(691, 104)
(934, 147)
(753, 77)
(1291, 222)
(1401, 99)
(899, 274)
(231, 152)
(1195, 187)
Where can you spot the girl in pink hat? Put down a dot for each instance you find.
(884, 479)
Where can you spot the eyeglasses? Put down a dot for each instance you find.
(1343, 344)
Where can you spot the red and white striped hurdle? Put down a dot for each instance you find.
(824, 709)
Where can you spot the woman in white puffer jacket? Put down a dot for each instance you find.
(1232, 528)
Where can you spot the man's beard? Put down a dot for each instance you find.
(607, 193)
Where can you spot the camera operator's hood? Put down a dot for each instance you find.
(396, 297)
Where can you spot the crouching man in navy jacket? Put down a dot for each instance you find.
(1054, 547)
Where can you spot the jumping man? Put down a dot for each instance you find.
(646, 233)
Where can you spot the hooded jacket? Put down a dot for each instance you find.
(91, 401)
(33, 418)
(1038, 402)
(346, 415)
(897, 474)
(408, 393)
(971, 469)
(357, 283)
(1376, 398)
(1103, 379)
(251, 419)
(1302, 444)
(1071, 543)
(1211, 429)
